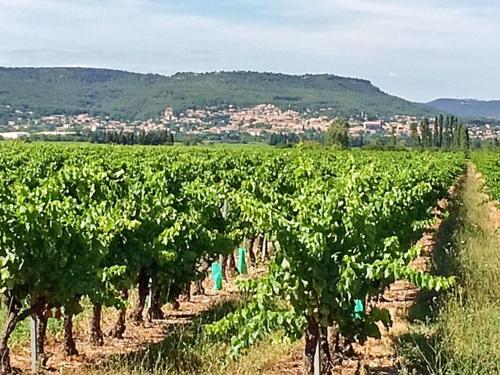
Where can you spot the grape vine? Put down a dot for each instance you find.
(92, 221)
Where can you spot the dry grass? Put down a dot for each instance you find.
(464, 336)
(176, 345)
(195, 354)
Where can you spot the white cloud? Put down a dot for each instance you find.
(441, 48)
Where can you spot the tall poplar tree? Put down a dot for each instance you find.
(426, 133)
(435, 133)
(415, 138)
(440, 125)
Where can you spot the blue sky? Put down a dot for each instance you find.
(420, 50)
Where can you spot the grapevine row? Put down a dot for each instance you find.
(96, 221)
(488, 163)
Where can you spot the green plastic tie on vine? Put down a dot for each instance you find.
(242, 262)
(359, 307)
(217, 275)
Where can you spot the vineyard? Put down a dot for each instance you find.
(488, 164)
(96, 222)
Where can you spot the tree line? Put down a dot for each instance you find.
(283, 139)
(141, 137)
(446, 132)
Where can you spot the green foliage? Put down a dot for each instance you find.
(426, 133)
(338, 134)
(488, 163)
(447, 133)
(460, 333)
(283, 139)
(152, 137)
(129, 96)
(86, 220)
(343, 224)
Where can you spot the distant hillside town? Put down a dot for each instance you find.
(257, 123)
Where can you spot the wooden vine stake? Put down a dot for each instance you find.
(34, 340)
(317, 360)
(149, 302)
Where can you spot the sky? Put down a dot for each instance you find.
(417, 49)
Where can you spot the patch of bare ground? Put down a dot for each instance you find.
(492, 205)
(494, 210)
(135, 338)
(378, 356)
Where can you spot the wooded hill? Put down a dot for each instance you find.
(468, 107)
(129, 96)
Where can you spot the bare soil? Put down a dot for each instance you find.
(136, 338)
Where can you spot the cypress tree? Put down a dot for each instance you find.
(467, 138)
(415, 139)
(426, 133)
(459, 143)
(453, 123)
(440, 125)
(435, 134)
(446, 133)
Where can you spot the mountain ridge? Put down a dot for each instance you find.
(127, 95)
(468, 107)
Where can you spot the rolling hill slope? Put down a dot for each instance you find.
(125, 95)
(468, 107)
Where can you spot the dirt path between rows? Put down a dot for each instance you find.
(136, 338)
